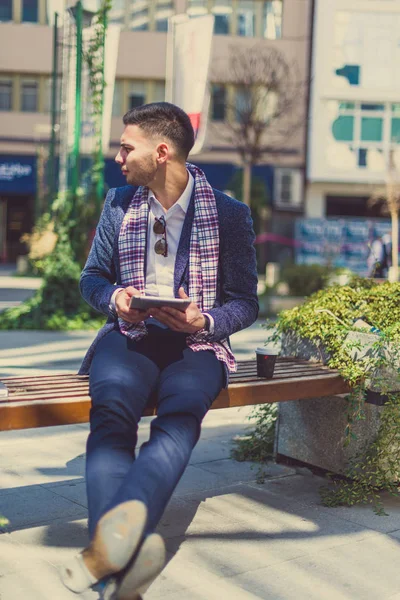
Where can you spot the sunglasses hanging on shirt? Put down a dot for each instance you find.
(160, 228)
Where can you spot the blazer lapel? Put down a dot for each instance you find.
(182, 255)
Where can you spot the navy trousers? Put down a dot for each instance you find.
(123, 376)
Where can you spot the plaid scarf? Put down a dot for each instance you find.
(203, 260)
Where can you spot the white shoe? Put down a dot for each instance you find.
(117, 536)
(138, 578)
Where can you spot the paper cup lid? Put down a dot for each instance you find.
(267, 351)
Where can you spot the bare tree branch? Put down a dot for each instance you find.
(269, 102)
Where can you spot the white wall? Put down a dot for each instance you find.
(353, 33)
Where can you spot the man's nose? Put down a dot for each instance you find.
(118, 159)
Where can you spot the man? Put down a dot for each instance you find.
(167, 233)
(380, 257)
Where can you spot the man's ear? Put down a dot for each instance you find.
(163, 152)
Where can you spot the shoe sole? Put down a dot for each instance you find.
(148, 565)
(116, 538)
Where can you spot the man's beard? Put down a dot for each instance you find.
(142, 175)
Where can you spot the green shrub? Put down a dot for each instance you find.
(57, 305)
(304, 280)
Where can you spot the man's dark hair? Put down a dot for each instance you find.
(164, 119)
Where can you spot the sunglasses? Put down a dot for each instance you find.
(160, 228)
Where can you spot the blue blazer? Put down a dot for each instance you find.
(236, 305)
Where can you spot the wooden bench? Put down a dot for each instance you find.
(45, 400)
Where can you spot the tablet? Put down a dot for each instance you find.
(145, 302)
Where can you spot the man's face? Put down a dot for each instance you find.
(137, 156)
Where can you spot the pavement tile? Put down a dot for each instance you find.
(196, 479)
(73, 490)
(244, 471)
(211, 450)
(55, 541)
(35, 505)
(179, 575)
(183, 580)
(361, 570)
(41, 582)
(306, 488)
(284, 522)
(14, 558)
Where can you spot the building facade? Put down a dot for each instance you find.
(354, 117)
(25, 95)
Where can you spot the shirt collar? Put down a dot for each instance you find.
(184, 199)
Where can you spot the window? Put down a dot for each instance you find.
(30, 11)
(164, 10)
(395, 125)
(137, 94)
(139, 15)
(287, 188)
(47, 95)
(197, 8)
(371, 129)
(218, 102)
(243, 102)
(343, 129)
(246, 18)
(361, 126)
(117, 108)
(222, 11)
(5, 94)
(272, 19)
(159, 91)
(6, 10)
(29, 95)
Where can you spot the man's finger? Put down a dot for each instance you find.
(182, 293)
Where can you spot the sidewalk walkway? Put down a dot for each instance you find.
(227, 536)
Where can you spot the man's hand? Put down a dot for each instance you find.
(122, 301)
(190, 321)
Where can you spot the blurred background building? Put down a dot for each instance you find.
(25, 96)
(353, 130)
(354, 119)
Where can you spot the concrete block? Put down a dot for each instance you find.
(312, 431)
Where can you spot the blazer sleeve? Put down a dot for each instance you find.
(98, 278)
(238, 264)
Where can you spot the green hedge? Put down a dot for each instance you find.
(304, 280)
(57, 305)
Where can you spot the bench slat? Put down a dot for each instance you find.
(63, 399)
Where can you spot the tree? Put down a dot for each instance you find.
(388, 197)
(267, 107)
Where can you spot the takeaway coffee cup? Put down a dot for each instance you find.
(266, 358)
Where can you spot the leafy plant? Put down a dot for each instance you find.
(258, 445)
(57, 304)
(304, 280)
(326, 318)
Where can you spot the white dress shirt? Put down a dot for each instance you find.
(159, 280)
(159, 268)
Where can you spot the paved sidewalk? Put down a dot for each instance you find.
(227, 537)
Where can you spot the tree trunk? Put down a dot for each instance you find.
(395, 246)
(246, 190)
